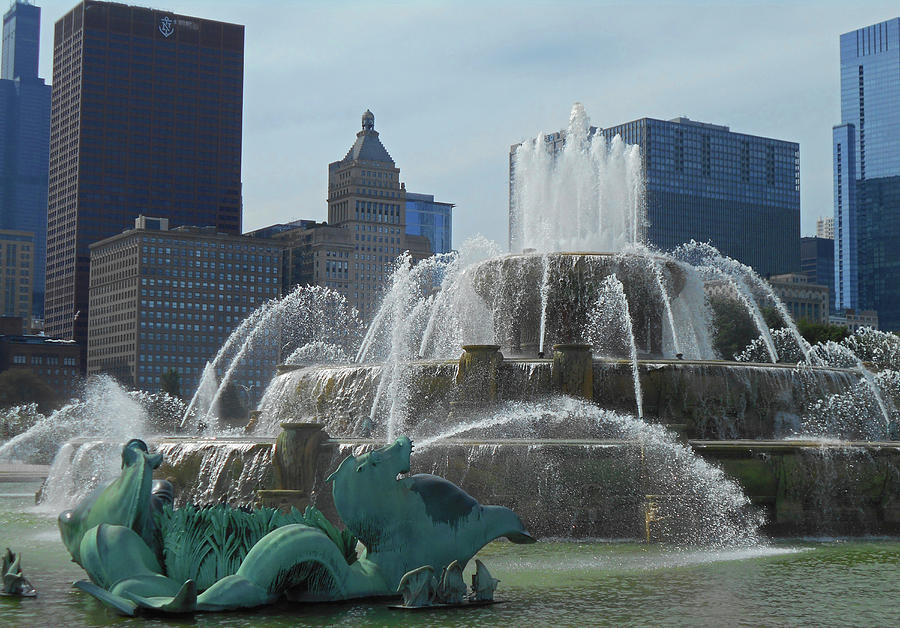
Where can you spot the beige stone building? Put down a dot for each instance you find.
(367, 199)
(16, 273)
(165, 298)
(803, 299)
(355, 251)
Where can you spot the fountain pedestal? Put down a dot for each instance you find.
(294, 462)
(572, 371)
(477, 376)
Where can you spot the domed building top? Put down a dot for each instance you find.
(367, 146)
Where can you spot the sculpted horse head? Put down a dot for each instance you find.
(125, 501)
(409, 522)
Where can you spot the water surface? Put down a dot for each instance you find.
(797, 583)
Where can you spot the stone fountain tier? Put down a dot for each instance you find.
(511, 287)
(572, 488)
(702, 399)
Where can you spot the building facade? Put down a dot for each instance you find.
(165, 299)
(431, 219)
(146, 119)
(24, 137)
(817, 263)
(825, 227)
(54, 361)
(367, 199)
(803, 299)
(17, 256)
(704, 182)
(866, 159)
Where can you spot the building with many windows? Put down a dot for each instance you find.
(705, 182)
(431, 219)
(366, 198)
(146, 119)
(165, 298)
(17, 253)
(803, 299)
(866, 157)
(825, 227)
(54, 361)
(24, 137)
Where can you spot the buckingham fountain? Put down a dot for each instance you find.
(574, 381)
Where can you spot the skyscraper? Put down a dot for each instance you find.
(705, 182)
(432, 219)
(365, 195)
(867, 173)
(24, 136)
(146, 119)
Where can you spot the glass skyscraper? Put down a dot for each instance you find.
(704, 182)
(146, 119)
(24, 136)
(866, 162)
(432, 219)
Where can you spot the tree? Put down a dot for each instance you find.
(821, 332)
(170, 382)
(733, 327)
(19, 386)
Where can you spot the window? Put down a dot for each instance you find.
(18, 359)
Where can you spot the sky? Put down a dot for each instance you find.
(454, 84)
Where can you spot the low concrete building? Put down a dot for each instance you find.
(853, 320)
(55, 361)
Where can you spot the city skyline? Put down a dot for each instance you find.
(453, 123)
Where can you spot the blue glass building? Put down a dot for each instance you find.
(432, 219)
(24, 136)
(704, 182)
(866, 158)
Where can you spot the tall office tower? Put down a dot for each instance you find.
(24, 137)
(817, 263)
(432, 219)
(867, 174)
(704, 182)
(146, 119)
(16, 273)
(825, 227)
(365, 195)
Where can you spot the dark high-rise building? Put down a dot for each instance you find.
(817, 263)
(867, 173)
(24, 136)
(146, 119)
(704, 182)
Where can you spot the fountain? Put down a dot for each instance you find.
(574, 380)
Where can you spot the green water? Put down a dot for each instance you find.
(800, 583)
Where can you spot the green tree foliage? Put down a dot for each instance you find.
(733, 328)
(20, 386)
(170, 382)
(821, 332)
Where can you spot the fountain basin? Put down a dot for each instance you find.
(564, 287)
(707, 399)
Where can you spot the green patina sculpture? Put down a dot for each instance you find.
(141, 553)
(14, 584)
